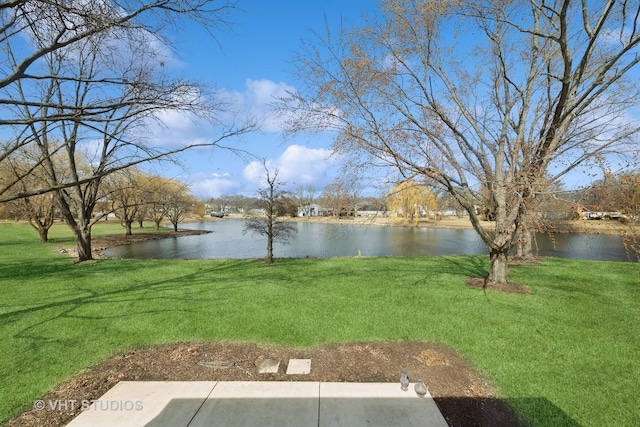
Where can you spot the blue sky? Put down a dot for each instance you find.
(251, 63)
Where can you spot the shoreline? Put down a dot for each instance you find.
(604, 227)
(609, 227)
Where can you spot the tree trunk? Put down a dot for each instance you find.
(83, 244)
(269, 251)
(44, 234)
(269, 240)
(127, 225)
(175, 226)
(141, 223)
(524, 248)
(499, 270)
(157, 223)
(502, 242)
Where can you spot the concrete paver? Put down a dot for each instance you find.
(259, 403)
(269, 366)
(299, 366)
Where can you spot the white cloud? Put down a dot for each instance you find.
(178, 128)
(264, 91)
(214, 185)
(296, 165)
(255, 101)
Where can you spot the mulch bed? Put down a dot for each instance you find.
(463, 396)
(511, 288)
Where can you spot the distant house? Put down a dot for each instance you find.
(371, 213)
(601, 214)
(593, 212)
(313, 210)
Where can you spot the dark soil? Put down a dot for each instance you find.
(513, 288)
(462, 395)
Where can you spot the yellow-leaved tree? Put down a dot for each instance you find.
(411, 200)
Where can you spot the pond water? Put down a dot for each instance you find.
(226, 240)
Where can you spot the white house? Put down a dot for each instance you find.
(313, 210)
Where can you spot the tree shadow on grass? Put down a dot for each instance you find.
(130, 293)
(467, 266)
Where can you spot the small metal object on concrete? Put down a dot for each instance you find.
(375, 404)
(404, 380)
(269, 366)
(420, 388)
(299, 366)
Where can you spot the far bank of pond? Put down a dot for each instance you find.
(323, 240)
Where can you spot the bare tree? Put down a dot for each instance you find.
(271, 200)
(616, 197)
(32, 31)
(527, 90)
(629, 198)
(157, 199)
(94, 100)
(340, 198)
(127, 195)
(39, 210)
(179, 203)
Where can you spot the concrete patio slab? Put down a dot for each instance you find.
(299, 367)
(140, 403)
(376, 404)
(269, 366)
(254, 403)
(259, 403)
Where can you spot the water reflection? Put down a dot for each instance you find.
(326, 240)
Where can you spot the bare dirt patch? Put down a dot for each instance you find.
(462, 395)
(513, 288)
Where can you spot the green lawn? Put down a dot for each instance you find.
(567, 353)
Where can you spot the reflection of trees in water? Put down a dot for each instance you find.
(335, 240)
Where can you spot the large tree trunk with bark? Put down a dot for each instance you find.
(44, 234)
(502, 241)
(127, 225)
(78, 220)
(499, 270)
(83, 243)
(524, 247)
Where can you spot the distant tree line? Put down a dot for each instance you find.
(411, 200)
